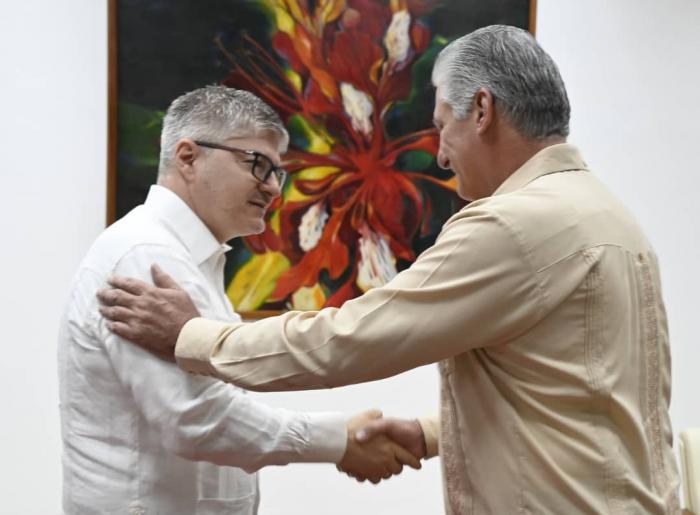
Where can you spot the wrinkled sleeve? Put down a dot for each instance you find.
(200, 418)
(475, 287)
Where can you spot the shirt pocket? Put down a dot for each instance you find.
(221, 483)
(247, 505)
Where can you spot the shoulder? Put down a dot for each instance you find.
(136, 236)
(557, 199)
(549, 218)
(562, 214)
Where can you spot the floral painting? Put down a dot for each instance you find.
(351, 81)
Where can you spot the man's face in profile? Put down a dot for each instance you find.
(457, 139)
(227, 196)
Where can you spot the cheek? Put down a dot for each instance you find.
(451, 141)
(228, 192)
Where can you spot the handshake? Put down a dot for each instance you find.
(378, 448)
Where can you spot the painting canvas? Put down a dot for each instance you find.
(351, 81)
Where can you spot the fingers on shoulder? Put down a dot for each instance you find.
(162, 279)
(116, 313)
(127, 284)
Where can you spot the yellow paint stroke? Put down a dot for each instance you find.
(255, 281)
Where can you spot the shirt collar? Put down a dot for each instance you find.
(187, 227)
(562, 157)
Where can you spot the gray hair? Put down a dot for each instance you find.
(216, 113)
(523, 79)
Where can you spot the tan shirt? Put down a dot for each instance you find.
(542, 306)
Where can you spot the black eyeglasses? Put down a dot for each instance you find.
(261, 165)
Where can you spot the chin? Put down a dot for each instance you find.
(255, 228)
(464, 193)
(465, 196)
(470, 192)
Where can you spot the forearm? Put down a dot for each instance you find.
(329, 351)
(259, 436)
(454, 298)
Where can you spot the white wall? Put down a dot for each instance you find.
(52, 144)
(631, 67)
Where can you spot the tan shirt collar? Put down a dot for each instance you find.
(562, 157)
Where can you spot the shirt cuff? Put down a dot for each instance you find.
(195, 343)
(431, 433)
(328, 438)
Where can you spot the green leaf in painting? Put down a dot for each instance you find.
(139, 134)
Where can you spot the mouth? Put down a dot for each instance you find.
(259, 203)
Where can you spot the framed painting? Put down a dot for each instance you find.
(351, 81)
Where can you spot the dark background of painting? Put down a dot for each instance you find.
(167, 47)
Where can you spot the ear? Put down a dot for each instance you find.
(484, 110)
(186, 153)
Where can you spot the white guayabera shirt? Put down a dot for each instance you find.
(141, 436)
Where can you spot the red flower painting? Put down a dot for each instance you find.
(350, 214)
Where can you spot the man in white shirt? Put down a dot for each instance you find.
(141, 436)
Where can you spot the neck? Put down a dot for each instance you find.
(518, 150)
(175, 183)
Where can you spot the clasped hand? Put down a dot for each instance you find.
(378, 448)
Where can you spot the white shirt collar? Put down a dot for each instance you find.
(184, 223)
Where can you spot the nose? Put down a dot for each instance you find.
(442, 160)
(271, 187)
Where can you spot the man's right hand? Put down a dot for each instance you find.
(377, 457)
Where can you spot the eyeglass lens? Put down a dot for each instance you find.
(263, 167)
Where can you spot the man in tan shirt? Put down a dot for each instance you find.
(540, 301)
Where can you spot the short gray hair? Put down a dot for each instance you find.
(216, 113)
(523, 79)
